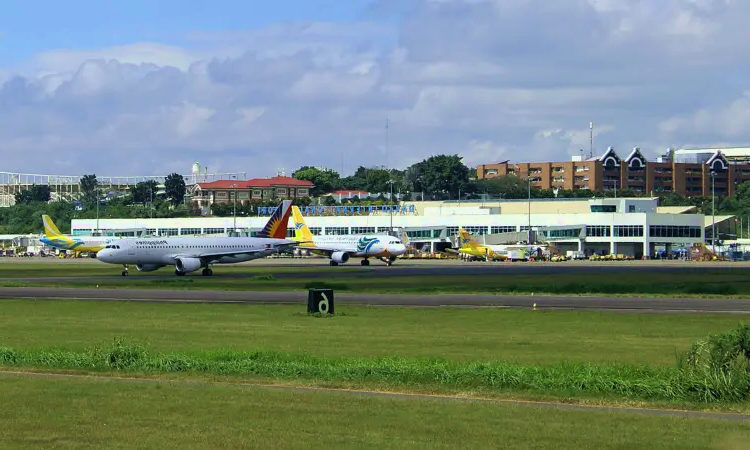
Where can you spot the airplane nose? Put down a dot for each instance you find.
(103, 255)
(398, 249)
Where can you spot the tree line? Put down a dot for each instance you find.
(440, 177)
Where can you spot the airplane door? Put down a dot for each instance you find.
(131, 250)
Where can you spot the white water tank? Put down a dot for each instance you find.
(196, 168)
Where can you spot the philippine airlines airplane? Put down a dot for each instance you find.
(189, 254)
(78, 244)
(340, 248)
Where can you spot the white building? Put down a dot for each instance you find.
(628, 226)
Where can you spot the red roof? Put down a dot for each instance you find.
(257, 183)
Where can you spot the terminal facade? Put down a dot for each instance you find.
(629, 226)
(687, 173)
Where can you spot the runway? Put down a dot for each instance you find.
(319, 268)
(580, 303)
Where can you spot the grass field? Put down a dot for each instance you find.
(707, 282)
(114, 414)
(613, 358)
(523, 337)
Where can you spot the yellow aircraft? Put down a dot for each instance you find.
(79, 244)
(468, 247)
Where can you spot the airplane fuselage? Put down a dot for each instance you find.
(205, 250)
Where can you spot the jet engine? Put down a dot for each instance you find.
(340, 257)
(186, 265)
(148, 267)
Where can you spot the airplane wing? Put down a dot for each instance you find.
(268, 248)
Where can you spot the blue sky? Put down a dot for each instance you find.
(85, 24)
(149, 88)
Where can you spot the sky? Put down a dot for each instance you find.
(149, 88)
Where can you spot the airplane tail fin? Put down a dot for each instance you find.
(50, 229)
(466, 240)
(301, 232)
(277, 225)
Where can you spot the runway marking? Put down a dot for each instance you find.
(387, 394)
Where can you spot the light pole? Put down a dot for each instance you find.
(97, 211)
(528, 179)
(234, 213)
(391, 207)
(713, 211)
(151, 203)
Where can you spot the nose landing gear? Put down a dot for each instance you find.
(124, 270)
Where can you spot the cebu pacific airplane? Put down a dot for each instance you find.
(340, 248)
(470, 248)
(78, 244)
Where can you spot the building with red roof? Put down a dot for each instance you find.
(274, 188)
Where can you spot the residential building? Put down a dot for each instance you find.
(263, 189)
(687, 174)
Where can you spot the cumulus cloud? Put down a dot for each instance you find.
(487, 79)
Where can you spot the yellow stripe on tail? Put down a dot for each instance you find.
(301, 232)
(50, 230)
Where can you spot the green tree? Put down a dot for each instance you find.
(443, 174)
(145, 191)
(89, 189)
(174, 187)
(325, 181)
(376, 181)
(36, 193)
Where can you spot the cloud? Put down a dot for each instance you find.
(489, 80)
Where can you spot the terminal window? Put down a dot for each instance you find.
(316, 230)
(168, 232)
(451, 231)
(502, 229)
(337, 230)
(597, 230)
(363, 230)
(603, 208)
(476, 230)
(214, 231)
(677, 231)
(190, 231)
(628, 230)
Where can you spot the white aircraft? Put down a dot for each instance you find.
(339, 248)
(189, 254)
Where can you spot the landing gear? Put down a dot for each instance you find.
(333, 263)
(365, 262)
(124, 270)
(178, 273)
(207, 272)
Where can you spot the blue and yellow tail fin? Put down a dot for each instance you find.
(277, 225)
(301, 232)
(50, 229)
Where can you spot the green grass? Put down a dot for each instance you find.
(457, 334)
(101, 414)
(606, 382)
(716, 282)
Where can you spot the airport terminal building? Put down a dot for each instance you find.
(629, 226)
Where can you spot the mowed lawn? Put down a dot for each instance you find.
(487, 334)
(72, 413)
(686, 281)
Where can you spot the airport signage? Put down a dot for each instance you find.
(320, 301)
(343, 209)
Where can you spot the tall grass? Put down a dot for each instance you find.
(681, 384)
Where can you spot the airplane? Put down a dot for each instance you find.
(189, 254)
(339, 248)
(78, 244)
(471, 248)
